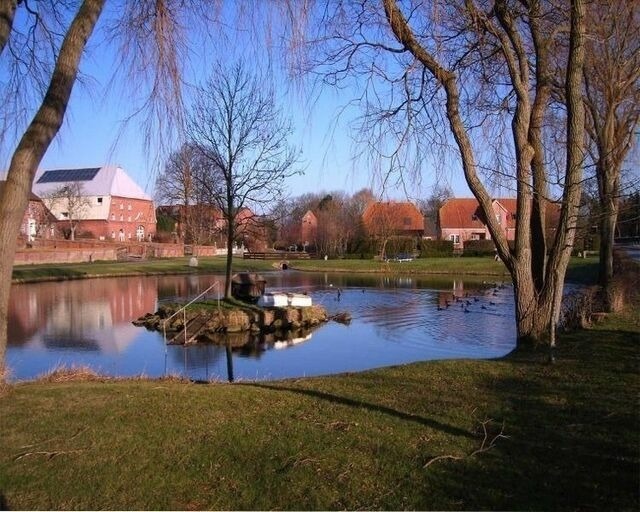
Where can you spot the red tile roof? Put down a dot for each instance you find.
(464, 213)
(398, 217)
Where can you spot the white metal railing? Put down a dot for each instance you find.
(183, 309)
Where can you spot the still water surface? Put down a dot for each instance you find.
(397, 319)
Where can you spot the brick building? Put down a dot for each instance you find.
(113, 206)
(460, 219)
(38, 221)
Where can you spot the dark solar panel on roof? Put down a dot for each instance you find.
(66, 175)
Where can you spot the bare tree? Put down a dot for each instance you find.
(480, 71)
(333, 229)
(432, 204)
(238, 128)
(33, 145)
(43, 64)
(612, 98)
(178, 186)
(69, 204)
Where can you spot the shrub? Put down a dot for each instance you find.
(363, 246)
(164, 223)
(478, 248)
(436, 248)
(163, 237)
(400, 245)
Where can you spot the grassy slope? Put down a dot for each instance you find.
(351, 441)
(31, 273)
(458, 266)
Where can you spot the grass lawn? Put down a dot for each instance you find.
(213, 264)
(562, 436)
(459, 266)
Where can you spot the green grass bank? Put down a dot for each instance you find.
(426, 266)
(514, 433)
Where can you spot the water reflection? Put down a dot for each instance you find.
(395, 319)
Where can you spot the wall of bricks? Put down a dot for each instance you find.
(37, 257)
(66, 251)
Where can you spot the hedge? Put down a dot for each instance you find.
(478, 248)
(436, 248)
(400, 245)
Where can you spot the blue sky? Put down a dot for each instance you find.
(94, 133)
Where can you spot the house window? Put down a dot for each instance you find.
(121, 206)
(121, 217)
(65, 215)
(113, 216)
(129, 207)
(455, 238)
(129, 218)
(499, 218)
(99, 200)
(406, 221)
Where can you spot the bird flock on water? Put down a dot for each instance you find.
(466, 300)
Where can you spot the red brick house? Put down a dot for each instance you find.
(460, 219)
(114, 206)
(309, 228)
(38, 221)
(208, 225)
(393, 218)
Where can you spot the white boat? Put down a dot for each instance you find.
(282, 300)
(299, 300)
(273, 300)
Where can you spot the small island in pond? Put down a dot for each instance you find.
(213, 322)
(251, 314)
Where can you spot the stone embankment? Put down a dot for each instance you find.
(214, 324)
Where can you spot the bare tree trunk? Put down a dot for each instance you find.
(533, 311)
(607, 234)
(7, 12)
(32, 147)
(231, 231)
(537, 283)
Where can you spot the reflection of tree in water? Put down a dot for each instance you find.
(258, 344)
(181, 288)
(206, 355)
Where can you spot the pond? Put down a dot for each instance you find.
(395, 319)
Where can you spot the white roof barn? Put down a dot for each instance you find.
(109, 204)
(96, 181)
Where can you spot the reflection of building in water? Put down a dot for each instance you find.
(93, 314)
(177, 288)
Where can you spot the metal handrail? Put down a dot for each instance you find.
(183, 309)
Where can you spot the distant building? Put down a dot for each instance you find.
(114, 206)
(460, 219)
(38, 221)
(393, 218)
(206, 224)
(309, 228)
